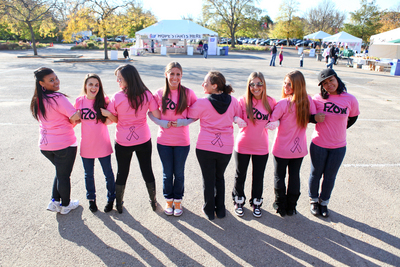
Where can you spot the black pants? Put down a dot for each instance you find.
(124, 156)
(213, 167)
(293, 165)
(242, 162)
(63, 160)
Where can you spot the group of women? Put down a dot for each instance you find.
(173, 108)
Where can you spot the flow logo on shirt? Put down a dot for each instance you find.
(170, 104)
(259, 116)
(333, 108)
(87, 114)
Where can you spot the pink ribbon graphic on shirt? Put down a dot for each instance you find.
(217, 140)
(296, 146)
(132, 133)
(43, 141)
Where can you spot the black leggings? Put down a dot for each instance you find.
(242, 162)
(124, 156)
(293, 166)
(213, 166)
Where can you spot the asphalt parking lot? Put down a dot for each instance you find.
(362, 230)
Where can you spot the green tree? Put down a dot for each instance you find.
(325, 17)
(364, 22)
(287, 25)
(282, 30)
(136, 18)
(229, 16)
(30, 14)
(390, 19)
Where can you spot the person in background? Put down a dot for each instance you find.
(205, 49)
(57, 141)
(95, 139)
(128, 108)
(173, 141)
(328, 144)
(273, 55)
(252, 143)
(301, 59)
(280, 58)
(152, 46)
(214, 145)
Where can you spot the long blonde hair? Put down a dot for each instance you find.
(249, 96)
(299, 97)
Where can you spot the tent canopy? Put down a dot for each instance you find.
(385, 36)
(176, 29)
(317, 35)
(344, 38)
(385, 50)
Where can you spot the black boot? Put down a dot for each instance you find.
(291, 204)
(280, 203)
(109, 206)
(119, 196)
(151, 189)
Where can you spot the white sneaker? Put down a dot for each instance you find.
(73, 204)
(54, 206)
(178, 207)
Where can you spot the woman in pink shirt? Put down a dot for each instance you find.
(173, 142)
(252, 142)
(128, 108)
(292, 113)
(328, 146)
(95, 139)
(57, 140)
(215, 141)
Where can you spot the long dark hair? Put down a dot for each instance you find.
(136, 89)
(217, 78)
(341, 88)
(99, 101)
(40, 94)
(182, 98)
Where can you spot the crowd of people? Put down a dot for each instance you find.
(173, 108)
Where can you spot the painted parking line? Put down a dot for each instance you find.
(371, 165)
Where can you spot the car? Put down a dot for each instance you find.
(264, 43)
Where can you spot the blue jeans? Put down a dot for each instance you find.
(63, 160)
(173, 160)
(324, 161)
(331, 62)
(88, 165)
(272, 62)
(205, 53)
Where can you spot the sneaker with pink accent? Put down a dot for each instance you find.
(178, 207)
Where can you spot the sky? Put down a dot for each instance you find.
(175, 9)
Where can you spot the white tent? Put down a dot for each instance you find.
(317, 35)
(385, 36)
(385, 50)
(175, 30)
(344, 39)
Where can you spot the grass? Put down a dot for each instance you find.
(92, 45)
(18, 45)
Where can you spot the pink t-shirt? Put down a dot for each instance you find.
(56, 131)
(291, 140)
(216, 130)
(95, 139)
(132, 128)
(337, 108)
(253, 139)
(174, 136)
